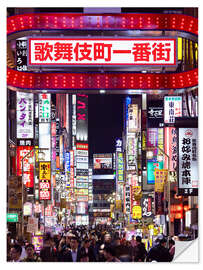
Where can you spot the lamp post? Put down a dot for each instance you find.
(30, 160)
(150, 149)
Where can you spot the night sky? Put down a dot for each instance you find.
(105, 122)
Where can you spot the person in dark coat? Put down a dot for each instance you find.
(72, 254)
(87, 249)
(139, 251)
(159, 253)
(47, 253)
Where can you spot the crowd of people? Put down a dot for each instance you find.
(82, 244)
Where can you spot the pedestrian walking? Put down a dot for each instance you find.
(159, 253)
(31, 256)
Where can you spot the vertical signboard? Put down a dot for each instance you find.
(21, 55)
(44, 108)
(15, 192)
(127, 200)
(152, 137)
(160, 180)
(151, 166)
(53, 145)
(132, 149)
(170, 147)
(159, 203)
(155, 113)
(133, 118)
(120, 167)
(24, 115)
(45, 180)
(82, 117)
(28, 168)
(146, 203)
(172, 108)
(45, 139)
(188, 161)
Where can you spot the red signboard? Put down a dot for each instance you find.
(45, 180)
(96, 80)
(108, 51)
(122, 21)
(28, 168)
(82, 146)
(170, 147)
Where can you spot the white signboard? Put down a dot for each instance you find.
(24, 115)
(188, 161)
(82, 165)
(108, 51)
(82, 185)
(172, 108)
(82, 153)
(44, 108)
(32, 226)
(45, 139)
(82, 159)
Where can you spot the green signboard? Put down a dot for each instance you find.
(12, 217)
(151, 166)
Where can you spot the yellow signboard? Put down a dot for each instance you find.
(137, 212)
(118, 204)
(160, 179)
(136, 192)
(45, 170)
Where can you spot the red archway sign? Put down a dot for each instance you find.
(96, 80)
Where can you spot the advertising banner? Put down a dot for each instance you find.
(82, 191)
(155, 113)
(81, 185)
(15, 192)
(12, 217)
(45, 139)
(37, 241)
(132, 148)
(82, 165)
(159, 203)
(102, 161)
(32, 226)
(45, 180)
(82, 153)
(170, 147)
(188, 161)
(127, 199)
(119, 167)
(136, 212)
(82, 198)
(151, 166)
(44, 108)
(119, 145)
(98, 51)
(82, 208)
(81, 146)
(172, 108)
(28, 168)
(27, 209)
(21, 55)
(136, 193)
(133, 118)
(146, 204)
(24, 115)
(160, 179)
(81, 117)
(152, 137)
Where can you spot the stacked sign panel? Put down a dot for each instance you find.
(188, 161)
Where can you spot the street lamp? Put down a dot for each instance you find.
(150, 154)
(31, 159)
